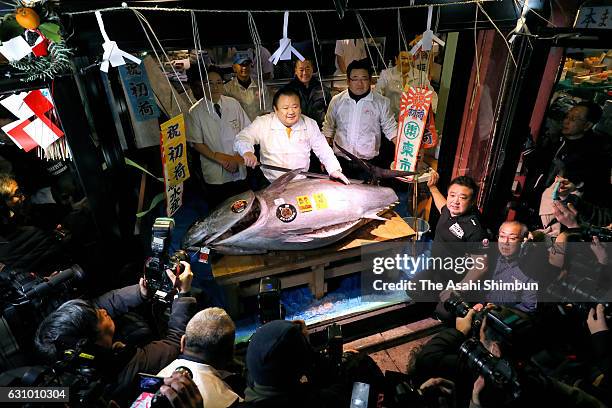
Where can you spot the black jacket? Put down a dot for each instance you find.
(153, 356)
(313, 99)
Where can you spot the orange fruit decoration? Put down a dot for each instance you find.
(27, 18)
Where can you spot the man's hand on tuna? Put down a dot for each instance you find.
(338, 175)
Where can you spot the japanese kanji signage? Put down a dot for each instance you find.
(414, 110)
(594, 17)
(139, 91)
(174, 160)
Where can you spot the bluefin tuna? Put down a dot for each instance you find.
(290, 214)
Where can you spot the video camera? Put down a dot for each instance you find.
(75, 371)
(24, 303)
(156, 265)
(512, 325)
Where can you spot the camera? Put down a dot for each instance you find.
(603, 234)
(25, 300)
(74, 370)
(156, 265)
(460, 308)
(151, 384)
(577, 295)
(497, 372)
(269, 304)
(512, 325)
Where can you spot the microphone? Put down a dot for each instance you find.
(74, 272)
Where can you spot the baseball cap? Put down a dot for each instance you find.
(242, 57)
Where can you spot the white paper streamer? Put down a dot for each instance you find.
(426, 42)
(285, 49)
(112, 53)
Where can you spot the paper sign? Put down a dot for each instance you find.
(138, 89)
(174, 150)
(595, 17)
(15, 48)
(320, 201)
(174, 198)
(414, 109)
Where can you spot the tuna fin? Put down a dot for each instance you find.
(298, 238)
(375, 171)
(374, 216)
(279, 185)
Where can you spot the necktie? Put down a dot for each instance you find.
(218, 109)
(288, 130)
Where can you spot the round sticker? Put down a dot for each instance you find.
(239, 206)
(286, 213)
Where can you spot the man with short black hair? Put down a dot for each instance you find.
(355, 118)
(212, 125)
(88, 325)
(286, 138)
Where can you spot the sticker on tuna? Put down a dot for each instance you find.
(286, 213)
(239, 206)
(304, 203)
(320, 200)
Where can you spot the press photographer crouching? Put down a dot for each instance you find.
(285, 371)
(491, 368)
(88, 327)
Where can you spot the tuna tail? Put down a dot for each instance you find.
(375, 171)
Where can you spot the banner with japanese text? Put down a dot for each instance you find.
(140, 94)
(174, 161)
(414, 110)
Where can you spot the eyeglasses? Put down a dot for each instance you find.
(359, 79)
(508, 238)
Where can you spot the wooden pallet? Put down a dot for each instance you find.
(240, 274)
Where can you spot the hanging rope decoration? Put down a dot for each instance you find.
(185, 10)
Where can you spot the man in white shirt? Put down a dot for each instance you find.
(246, 89)
(286, 138)
(207, 348)
(355, 118)
(348, 51)
(392, 81)
(212, 125)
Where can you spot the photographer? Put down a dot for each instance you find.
(440, 356)
(88, 326)
(282, 371)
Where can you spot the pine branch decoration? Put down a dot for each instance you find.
(56, 62)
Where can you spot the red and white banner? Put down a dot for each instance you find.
(414, 111)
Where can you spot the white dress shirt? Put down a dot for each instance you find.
(356, 126)
(351, 50)
(215, 392)
(279, 149)
(205, 126)
(249, 97)
(390, 85)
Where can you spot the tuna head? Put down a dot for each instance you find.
(228, 216)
